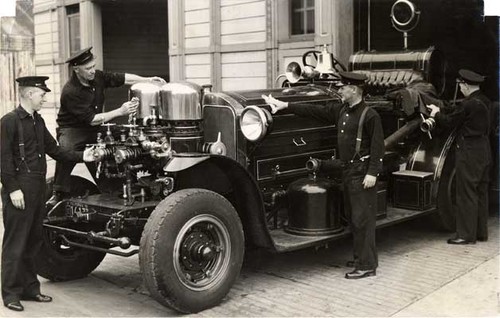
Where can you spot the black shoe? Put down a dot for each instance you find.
(56, 197)
(460, 241)
(482, 238)
(39, 298)
(15, 305)
(358, 273)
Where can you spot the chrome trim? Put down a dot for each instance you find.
(303, 130)
(234, 126)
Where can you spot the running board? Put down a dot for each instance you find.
(286, 242)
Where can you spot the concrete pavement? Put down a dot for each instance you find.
(475, 294)
(419, 275)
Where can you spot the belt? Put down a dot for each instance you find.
(360, 160)
(31, 173)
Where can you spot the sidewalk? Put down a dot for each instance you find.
(471, 295)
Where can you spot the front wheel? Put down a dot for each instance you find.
(56, 260)
(191, 250)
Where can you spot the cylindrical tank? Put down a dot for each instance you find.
(180, 101)
(430, 63)
(314, 207)
(148, 94)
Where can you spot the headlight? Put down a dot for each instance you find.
(255, 123)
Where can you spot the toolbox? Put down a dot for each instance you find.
(412, 189)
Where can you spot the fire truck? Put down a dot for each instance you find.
(197, 177)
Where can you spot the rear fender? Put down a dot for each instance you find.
(431, 155)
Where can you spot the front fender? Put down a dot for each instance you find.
(228, 178)
(183, 161)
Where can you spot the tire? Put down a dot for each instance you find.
(191, 233)
(447, 202)
(56, 260)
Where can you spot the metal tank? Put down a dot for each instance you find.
(397, 67)
(148, 95)
(180, 101)
(314, 207)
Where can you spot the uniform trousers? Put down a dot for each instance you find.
(22, 239)
(360, 206)
(76, 139)
(473, 162)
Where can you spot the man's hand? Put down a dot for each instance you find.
(369, 181)
(433, 109)
(276, 105)
(129, 107)
(157, 79)
(89, 155)
(17, 198)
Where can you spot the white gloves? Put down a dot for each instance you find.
(276, 105)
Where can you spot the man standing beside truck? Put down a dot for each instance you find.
(361, 149)
(472, 117)
(25, 141)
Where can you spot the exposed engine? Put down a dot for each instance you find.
(168, 121)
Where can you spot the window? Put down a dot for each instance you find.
(73, 15)
(302, 17)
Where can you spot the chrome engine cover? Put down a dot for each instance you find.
(180, 101)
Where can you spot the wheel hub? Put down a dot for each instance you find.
(197, 251)
(202, 249)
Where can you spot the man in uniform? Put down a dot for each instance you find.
(473, 158)
(25, 140)
(81, 112)
(361, 168)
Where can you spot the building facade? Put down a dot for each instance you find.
(230, 44)
(243, 44)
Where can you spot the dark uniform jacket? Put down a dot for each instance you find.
(79, 103)
(347, 119)
(37, 142)
(471, 116)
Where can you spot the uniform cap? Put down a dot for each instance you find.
(81, 57)
(470, 77)
(33, 81)
(352, 78)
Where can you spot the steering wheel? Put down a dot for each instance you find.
(306, 54)
(337, 66)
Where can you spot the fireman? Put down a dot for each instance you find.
(25, 140)
(81, 112)
(473, 157)
(361, 148)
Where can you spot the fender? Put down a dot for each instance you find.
(183, 161)
(431, 155)
(227, 177)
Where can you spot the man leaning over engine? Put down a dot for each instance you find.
(81, 112)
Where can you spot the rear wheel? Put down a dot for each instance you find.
(56, 260)
(447, 200)
(191, 250)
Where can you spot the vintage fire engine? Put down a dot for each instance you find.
(198, 176)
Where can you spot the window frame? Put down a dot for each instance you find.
(304, 10)
(69, 34)
(284, 24)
